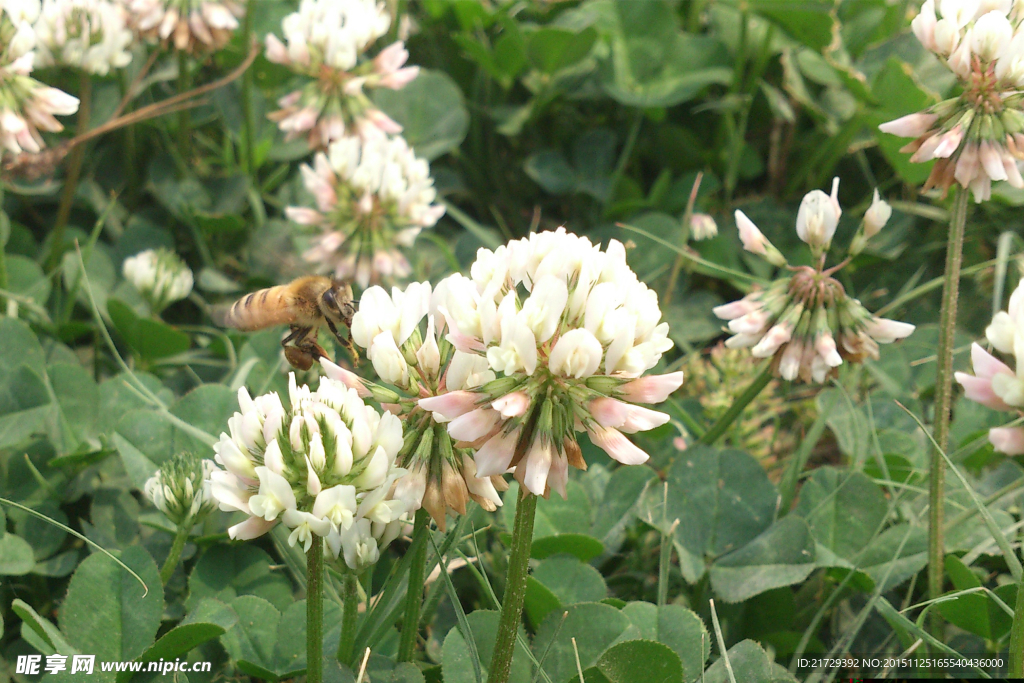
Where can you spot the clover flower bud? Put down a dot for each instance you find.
(181, 489)
(160, 276)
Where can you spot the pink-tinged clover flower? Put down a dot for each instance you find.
(804, 321)
(430, 385)
(995, 384)
(325, 42)
(567, 331)
(27, 107)
(372, 197)
(187, 25)
(976, 137)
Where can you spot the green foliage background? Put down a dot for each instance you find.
(596, 115)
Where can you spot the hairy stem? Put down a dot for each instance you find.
(315, 611)
(174, 555)
(350, 610)
(943, 401)
(515, 588)
(414, 591)
(741, 402)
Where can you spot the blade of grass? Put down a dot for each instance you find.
(79, 536)
(705, 266)
(460, 614)
(721, 642)
(1004, 546)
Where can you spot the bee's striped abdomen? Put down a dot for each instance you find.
(265, 308)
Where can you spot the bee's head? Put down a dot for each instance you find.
(337, 303)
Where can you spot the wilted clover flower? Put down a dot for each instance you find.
(805, 322)
(26, 105)
(91, 35)
(188, 25)
(324, 465)
(160, 276)
(181, 489)
(325, 43)
(977, 136)
(569, 330)
(420, 363)
(373, 195)
(993, 383)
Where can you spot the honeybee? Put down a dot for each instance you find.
(304, 305)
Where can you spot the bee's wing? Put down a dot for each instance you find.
(219, 314)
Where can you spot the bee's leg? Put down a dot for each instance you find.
(297, 334)
(346, 342)
(296, 348)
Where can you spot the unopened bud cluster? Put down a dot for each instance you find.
(805, 322)
(373, 196)
(325, 42)
(160, 276)
(568, 330)
(994, 384)
(403, 334)
(181, 489)
(978, 136)
(324, 464)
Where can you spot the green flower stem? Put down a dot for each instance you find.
(414, 592)
(741, 402)
(943, 401)
(174, 555)
(74, 171)
(350, 610)
(184, 115)
(1015, 667)
(515, 588)
(315, 611)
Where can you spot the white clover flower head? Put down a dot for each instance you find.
(562, 324)
(188, 25)
(372, 197)
(181, 489)
(319, 462)
(425, 381)
(326, 41)
(91, 35)
(975, 137)
(160, 276)
(804, 321)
